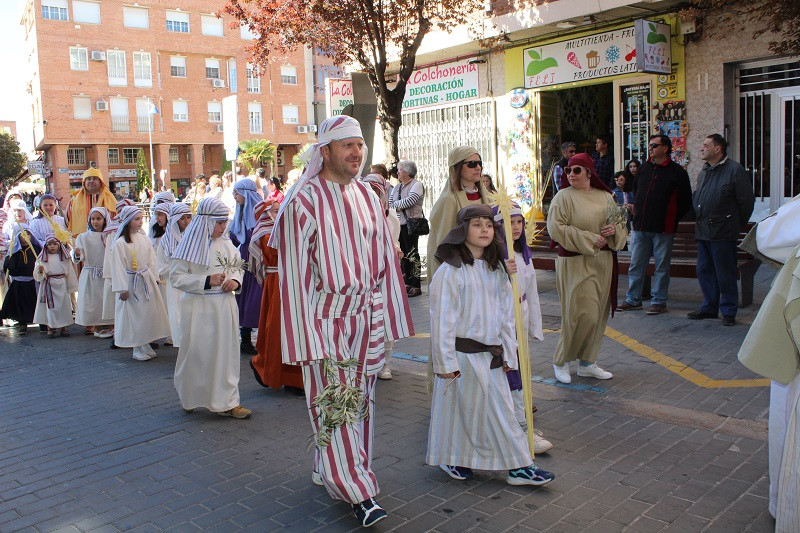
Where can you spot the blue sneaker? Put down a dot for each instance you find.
(458, 472)
(530, 475)
(368, 512)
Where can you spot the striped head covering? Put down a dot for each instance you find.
(333, 129)
(196, 239)
(160, 208)
(380, 186)
(124, 216)
(112, 226)
(265, 211)
(244, 217)
(3, 217)
(62, 253)
(163, 197)
(522, 240)
(173, 235)
(103, 211)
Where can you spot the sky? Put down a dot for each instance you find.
(14, 104)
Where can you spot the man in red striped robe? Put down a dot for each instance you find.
(342, 295)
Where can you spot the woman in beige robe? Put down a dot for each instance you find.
(463, 188)
(577, 221)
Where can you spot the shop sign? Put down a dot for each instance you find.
(75, 174)
(654, 53)
(63, 170)
(36, 167)
(122, 173)
(429, 86)
(585, 58)
(519, 97)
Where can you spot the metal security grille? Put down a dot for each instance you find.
(754, 141)
(791, 150)
(427, 136)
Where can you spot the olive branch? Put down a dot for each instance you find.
(340, 403)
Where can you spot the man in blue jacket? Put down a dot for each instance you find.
(723, 202)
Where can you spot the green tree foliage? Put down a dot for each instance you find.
(142, 172)
(12, 161)
(256, 153)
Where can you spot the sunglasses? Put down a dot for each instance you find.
(473, 164)
(654, 146)
(573, 170)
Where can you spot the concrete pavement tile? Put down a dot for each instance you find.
(668, 509)
(425, 522)
(708, 506)
(219, 515)
(628, 511)
(586, 514)
(464, 521)
(644, 524)
(653, 492)
(577, 497)
(763, 523)
(607, 526)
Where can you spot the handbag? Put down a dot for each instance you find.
(418, 226)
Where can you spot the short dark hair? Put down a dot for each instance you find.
(663, 139)
(720, 141)
(605, 138)
(261, 172)
(276, 181)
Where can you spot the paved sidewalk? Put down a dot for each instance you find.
(92, 440)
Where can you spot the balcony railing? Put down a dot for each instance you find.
(144, 124)
(121, 124)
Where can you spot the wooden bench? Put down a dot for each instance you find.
(683, 264)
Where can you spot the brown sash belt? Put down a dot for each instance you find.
(472, 346)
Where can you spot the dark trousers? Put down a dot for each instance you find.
(410, 264)
(716, 272)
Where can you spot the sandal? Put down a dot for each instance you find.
(51, 333)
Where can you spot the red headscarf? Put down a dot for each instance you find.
(583, 160)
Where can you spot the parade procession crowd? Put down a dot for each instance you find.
(324, 271)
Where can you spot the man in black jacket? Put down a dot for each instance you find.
(662, 195)
(723, 202)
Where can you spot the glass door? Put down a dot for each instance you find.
(789, 145)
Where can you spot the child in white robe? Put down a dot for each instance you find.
(90, 250)
(522, 266)
(156, 231)
(139, 314)
(57, 279)
(40, 225)
(178, 219)
(109, 305)
(208, 269)
(473, 341)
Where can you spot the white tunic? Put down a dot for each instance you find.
(160, 267)
(142, 318)
(109, 304)
(529, 291)
(784, 455)
(89, 308)
(473, 425)
(61, 314)
(172, 298)
(207, 370)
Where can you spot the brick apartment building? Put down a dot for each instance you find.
(9, 126)
(96, 68)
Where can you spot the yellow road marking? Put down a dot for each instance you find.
(673, 365)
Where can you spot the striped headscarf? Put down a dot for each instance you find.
(160, 208)
(244, 217)
(113, 224)
(103, 211)
(124, 216)
(266, 222)
(173, 235)
(380, 187)
(196, 241)
(163, 197)
(333, 129)
(62, 253)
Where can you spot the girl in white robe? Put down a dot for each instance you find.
(40, 225)
(90, 250)
(109, 304)
(473, 341)
(156, 231)
(139, 315)
(207, 268)
(56, 277)
(178, 219)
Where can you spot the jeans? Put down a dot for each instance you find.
(647, 244)
(410, 264)
(716, 272)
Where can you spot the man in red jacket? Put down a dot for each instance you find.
(662, 195)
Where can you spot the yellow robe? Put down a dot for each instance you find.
(583, 281)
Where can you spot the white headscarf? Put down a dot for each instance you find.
(173, 235)
(196, 241)
(103, 211)
(332, 129)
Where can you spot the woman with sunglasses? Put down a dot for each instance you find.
(463, 188)
(585, 267)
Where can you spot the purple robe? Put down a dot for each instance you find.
(249, 300)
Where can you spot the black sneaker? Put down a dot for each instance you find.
(458, 472)
(699, 315)
(369, 512)
(530, 475)
(728, 321)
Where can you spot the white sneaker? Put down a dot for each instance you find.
(104, 334)
(149, 351)
(316, 479)
(593, 371)
(385, 373)
(540, 444)
(140, 355)
(562, 373)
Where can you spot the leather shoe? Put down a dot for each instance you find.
(728, 321)
(699, 315)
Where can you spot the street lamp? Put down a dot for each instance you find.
(153, 110)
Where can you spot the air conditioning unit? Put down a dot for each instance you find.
(101, 105)
(92, 164)
(312, 128)
(98, 55)
(219, 128)
(218, 84)
(302, 129)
